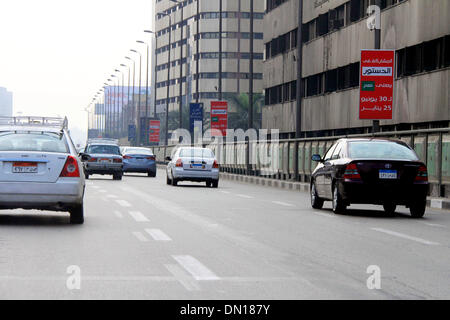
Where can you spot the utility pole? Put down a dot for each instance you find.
(198, 53)
(220, 50)
(180, 121)
(250, 96)
(299, 86)
(376, 123)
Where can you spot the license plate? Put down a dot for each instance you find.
(197, 166)
(388, 174)
(105, 161)
(24, 167)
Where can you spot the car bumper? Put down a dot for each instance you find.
(64, 193)
(91, 168)
(401, 194)
(191, 175)
(131, 167)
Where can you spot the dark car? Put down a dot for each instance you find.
(370, 171)
(102, 156)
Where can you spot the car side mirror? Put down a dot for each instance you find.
(85, 157)
(317, 158)
(168, 159)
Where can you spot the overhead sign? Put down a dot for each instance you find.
(219, 117)
(154, 130)
(376, 98)
(195, 115)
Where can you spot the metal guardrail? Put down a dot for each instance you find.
(35, 121)
(431, 145)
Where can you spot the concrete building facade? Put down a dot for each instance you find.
(199, 47)
(6, 103)
(334, 32)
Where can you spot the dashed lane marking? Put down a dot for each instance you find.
(196, 268)
(140, 236)
(138, 216)
(158, 235)
(407, 237)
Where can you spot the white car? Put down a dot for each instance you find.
(193, 164)
(40, 168)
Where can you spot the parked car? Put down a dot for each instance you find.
(137, 159)
(370, 171)
(193, 164)
(102, 156)
(40, 166)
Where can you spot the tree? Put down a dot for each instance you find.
(239, 118)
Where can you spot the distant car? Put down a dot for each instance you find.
(40, 167)
(102, 156)
(137, 159)
(370, 171)
(193, 164)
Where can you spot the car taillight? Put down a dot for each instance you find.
(126, 157)
(351, 172)
(215, 164)
(70, 168)
(422, 174)
(151, 158)
(117, 160)
(92, 160)
(179, 163)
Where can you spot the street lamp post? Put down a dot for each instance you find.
(132, 96)
(146, 85)
(123, 97)
(138, 124)
(155, 73)
(180, 115)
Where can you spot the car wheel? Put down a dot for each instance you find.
(208, 183)
(215, 183)
(168, 182)
(389, 208)
(417, 209)
(316, 202)
(338, 203)
(77, 215)
(174, 181)
(151, 174)
(86, 176)
(117, 177)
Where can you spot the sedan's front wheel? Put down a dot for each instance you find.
(316, 202)
(339, 205)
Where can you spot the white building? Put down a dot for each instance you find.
(6, 102)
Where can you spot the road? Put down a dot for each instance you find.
(143, 239)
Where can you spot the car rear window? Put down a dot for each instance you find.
(33, 141)
(380, 150)
(138, 151)
(103, 149)
(196, 153)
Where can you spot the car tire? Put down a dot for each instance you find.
(168, 182)
(86, 176)
(117, 177)
(77, 214)
(316, 202)
(417, 209)
(174, 181)
(339, 205)
(208, 184)
(389, 209)
(151, 174)
(215, 183)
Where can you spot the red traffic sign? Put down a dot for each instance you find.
(219, 117)
(376, 97)
(154, 129)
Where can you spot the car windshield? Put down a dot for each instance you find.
(380, 150)
(196, 153)
(103, 149)
(138, 151)
(33, 141)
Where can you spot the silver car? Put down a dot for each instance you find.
(40, 168)
(193, 164)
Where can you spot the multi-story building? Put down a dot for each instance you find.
(334, 32)
(6, 102)
(194, 45)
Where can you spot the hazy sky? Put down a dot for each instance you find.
(56, 54)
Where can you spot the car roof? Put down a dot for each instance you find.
(30, 128)
(372, 140)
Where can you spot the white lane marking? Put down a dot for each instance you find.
(196, 268)
(435, 225)
(244, 196)
(118, 214)
(281, 203)
(111, 196)
(405, 236)
(138, 216)
(140, 236)
(226, 192)
(102, 191)
(183, 277)
(324, 214)
(158, 235)
(123, 203)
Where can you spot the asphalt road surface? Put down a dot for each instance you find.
(143, 239)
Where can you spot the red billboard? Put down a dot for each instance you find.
(376, 98)
(154, 129)
(219, 117)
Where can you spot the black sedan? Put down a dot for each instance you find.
(370, 171)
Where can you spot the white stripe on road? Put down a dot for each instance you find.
(226, 192)
(332, 215)
(195, 268)
(118, 214)
(102, 191)
(283, 203)
(140, 236)
(123, 203)
(405, 236)
(138, 216)
(111, 196)
(435, 225)
(158, 235)
(183, 277)
(244, 196)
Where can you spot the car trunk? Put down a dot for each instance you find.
(31, 166)
(387, 172)
(197, 164)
